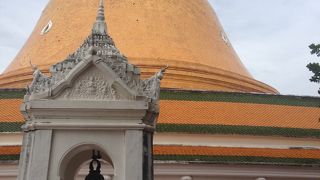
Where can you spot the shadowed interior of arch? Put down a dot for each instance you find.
(106, 170)
(75, 163)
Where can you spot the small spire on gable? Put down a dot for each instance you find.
(100, 26)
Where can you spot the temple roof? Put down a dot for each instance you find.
(213, 113)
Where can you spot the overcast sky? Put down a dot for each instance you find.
(270, 36)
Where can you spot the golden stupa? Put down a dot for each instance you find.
(184, 34)
(201, 133)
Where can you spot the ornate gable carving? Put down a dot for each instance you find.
(92, 85)
(96, 71)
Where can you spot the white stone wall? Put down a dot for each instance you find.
(165, 171)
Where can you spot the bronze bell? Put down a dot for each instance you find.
(94, 174)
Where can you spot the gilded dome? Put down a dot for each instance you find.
(184, 34)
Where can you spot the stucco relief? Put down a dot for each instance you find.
(39, 83)
(93, 87)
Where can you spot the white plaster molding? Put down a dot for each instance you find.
(239, 171)
(87, 104)
(217, 140)
(84, 126)
(8, 139)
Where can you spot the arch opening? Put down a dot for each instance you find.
(75, 163)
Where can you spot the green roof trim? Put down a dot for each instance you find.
(12, 93)
(10, 126)
(185, 95)
(208, 129)
(215, 96)
(240, 130)
(182, 95)
(14, 157)
(240, 160)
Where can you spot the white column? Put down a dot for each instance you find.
(41, 155)
(133, 156)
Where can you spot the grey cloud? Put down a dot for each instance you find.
(272, 39)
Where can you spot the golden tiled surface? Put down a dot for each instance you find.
(185, 34)
(211, 113)
(226, 151)
(241, 114)
(10, 150)
(10, 110)
(212, 151)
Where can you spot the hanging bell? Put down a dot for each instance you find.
(94, 174)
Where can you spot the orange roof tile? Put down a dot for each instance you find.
(226, 151)
(211, 113)
(10, 150)
(10, 111)
(241, 114)
(212, 151)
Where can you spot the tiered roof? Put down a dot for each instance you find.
(214, 113)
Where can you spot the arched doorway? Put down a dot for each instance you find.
(75, 163)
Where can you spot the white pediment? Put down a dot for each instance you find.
(90, 79)
(95, 84)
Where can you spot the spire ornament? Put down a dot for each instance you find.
(100, 26)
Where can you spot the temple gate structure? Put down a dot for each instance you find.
(93, 102)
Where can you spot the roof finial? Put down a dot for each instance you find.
(100, 16)
(100, 26)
